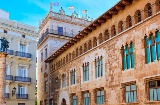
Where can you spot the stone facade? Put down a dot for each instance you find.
(49, 41)
(115, 78)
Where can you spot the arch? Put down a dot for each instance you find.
(63, 102)
(73, 54)
(70, 56)
(120, 26)
(106, 34)
(113, 30)
(65, 95)
(148, 10)
(89, 44)
(94, 41)
(128, 22)
(138, 17)
(76, 52)
(100, 38)
(80, 50)
(85, 47)
(157, 5)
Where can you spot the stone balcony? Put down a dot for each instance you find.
(10, 52)
(9, 77)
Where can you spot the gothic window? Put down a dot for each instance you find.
(86, 72)
(113, 30)
(129, 21)
(106, 35)
(128, 56)
(100, 38)
(80, 50)
(120, 26)
(138, 17)
(152, 48)
(89, 44)
(76, 52)
(94, 41)
(86, 97)
(73, 77)
(73, 55)
(99, 67)
(148, 10)
(85, 47)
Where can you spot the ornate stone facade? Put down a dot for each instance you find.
(106, 38)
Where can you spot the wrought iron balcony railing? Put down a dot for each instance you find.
(6, 95)
(22, 96)
(10, 52)
(9, 77)
(22, 79)
(23, 54)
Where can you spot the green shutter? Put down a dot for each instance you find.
(147, 50)
(132, 55)
(158, 44)
(153, 49)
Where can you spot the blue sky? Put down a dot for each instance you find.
(30, 11)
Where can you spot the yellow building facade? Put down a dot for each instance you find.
(20, 62)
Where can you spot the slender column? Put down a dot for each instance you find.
(2, 76)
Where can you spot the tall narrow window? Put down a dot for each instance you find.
(86, 99)
(148, 10)
(22, 47)
(129, 21)
(63, 80)
(86, 71)
(120, 26)
(76, 52)
(158, 44)
(99, 67)
(94, 41)
(60, 30)
(22, 71)
(74, 100)
(147, 49)
(152, 48)
(154, 90)
(73, 55)
(113, 30)
(80, 50)
(89, 44)
(46, 52)
(85, 47)
(128, 56)
(100, 38)
(138, 16)
(100, 97)
(73, 77)
(106, 35)
(130, 93)
(56, 83)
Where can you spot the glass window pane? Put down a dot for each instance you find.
(153, 48)
(135, 96)
(151, 94)
(158, 92)
(127, 97)
(155, 94)
(133, 87)
(127, 88)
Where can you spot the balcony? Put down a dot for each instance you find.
(6, 95)
(22, 79)
(55, 32)
(22, 54)
(22, 96)
(9, 77)
(10, 52)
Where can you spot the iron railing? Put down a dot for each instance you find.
(22, 79)
(55, 32)
(22, 96)
(10, 52)
(6, 95)
(22, 54)
(9, 77)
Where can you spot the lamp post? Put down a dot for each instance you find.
(3, 55)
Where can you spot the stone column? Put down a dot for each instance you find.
(2, 76)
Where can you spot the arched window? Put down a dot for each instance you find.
(85, 47)
(77, 52)
(138, 17)
(113, 31)
(106, 35)
(80, 50)
(128, 21)
(94, 41)
(64, 60)
(56, 83)
(89, 44)
(120, 26)
(148, 10)
(127, 56)
(70, 55)
(100, 38)
(64, 83)
(61, 62)
(73, 55)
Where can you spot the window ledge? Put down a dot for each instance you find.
(149, 102)
(126, 70)
(131, 103)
